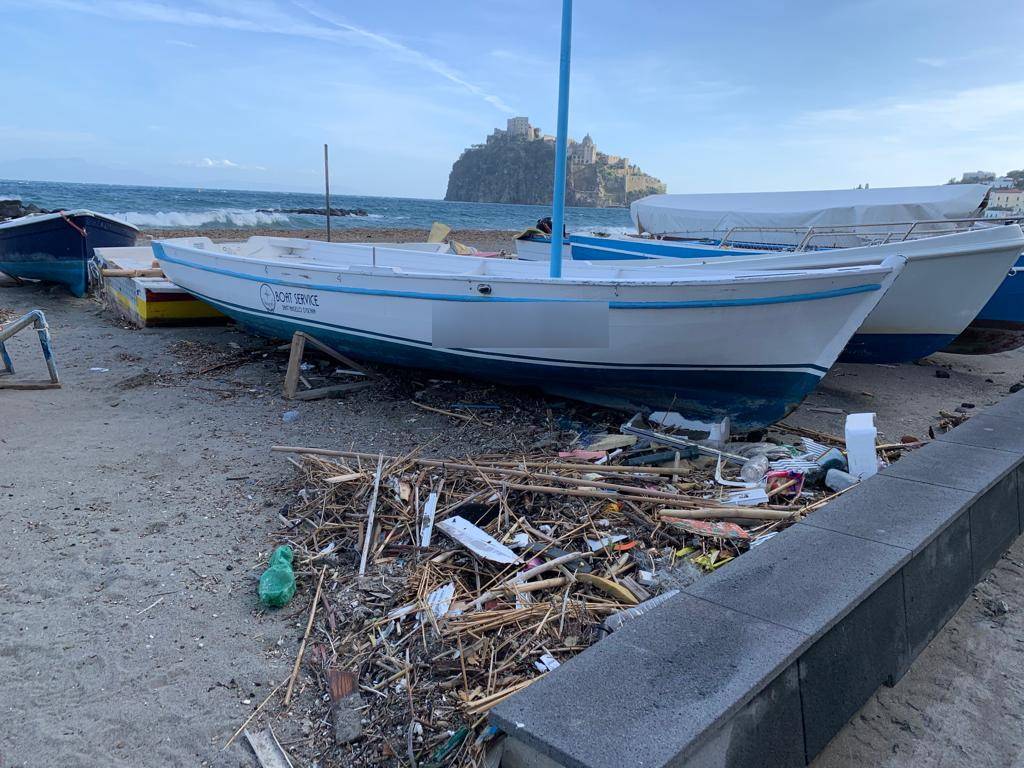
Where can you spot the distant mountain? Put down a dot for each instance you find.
(516, 165)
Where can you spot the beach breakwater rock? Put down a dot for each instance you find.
(316, 211)
(14, 209)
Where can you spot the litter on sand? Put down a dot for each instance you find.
(541, 555)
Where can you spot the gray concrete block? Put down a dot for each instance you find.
(758, 735)
(953, 465)
(989, 430)
(936, 582)
(1009, 407)
(890, 510)
(995, 523)
(666, 682)
(866, 649)
(806, 578)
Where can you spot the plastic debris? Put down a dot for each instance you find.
(860, 444)
(746, 498)
(477, 541)
(277, 583)
(754, 470)
(546, 663)
(616, 620)
(289, 416)
(719, 529)
(838, 480)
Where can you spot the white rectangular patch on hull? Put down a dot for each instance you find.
(519, 324)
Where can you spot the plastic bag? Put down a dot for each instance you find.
(277, 584)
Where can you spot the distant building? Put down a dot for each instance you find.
(1008, 200)
(520, 128)
(1003, 181)
(977, 177)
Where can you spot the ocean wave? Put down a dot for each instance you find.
(603, 230)
(231, 217)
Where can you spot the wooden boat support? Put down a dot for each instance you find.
(37, 320)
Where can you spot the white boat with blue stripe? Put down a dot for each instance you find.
(749, 345)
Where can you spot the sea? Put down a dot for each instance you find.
(181, 208)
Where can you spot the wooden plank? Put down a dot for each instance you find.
(291, 377)
(29, 385)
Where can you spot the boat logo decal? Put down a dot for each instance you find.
(297, 302)
(267, 297)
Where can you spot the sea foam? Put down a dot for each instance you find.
(230, 217)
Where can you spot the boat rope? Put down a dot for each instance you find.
(80, 230)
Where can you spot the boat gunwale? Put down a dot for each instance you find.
(746, 277)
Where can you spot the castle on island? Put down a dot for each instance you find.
(594, 178)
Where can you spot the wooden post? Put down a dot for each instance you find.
(327, 194)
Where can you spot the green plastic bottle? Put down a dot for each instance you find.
(277, 584)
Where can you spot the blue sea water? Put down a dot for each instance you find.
(178, 208)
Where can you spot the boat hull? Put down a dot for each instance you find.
(693, 350)
(946, 283)
(52, 250)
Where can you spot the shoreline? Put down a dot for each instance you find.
(483, 239)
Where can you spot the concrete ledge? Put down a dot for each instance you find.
(762, 663)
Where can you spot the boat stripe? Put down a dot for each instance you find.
(706, 304)
(806, 367)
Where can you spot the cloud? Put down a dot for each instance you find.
(268, 18)
(406, 53)
(932, 62)
(209, 162)
(181, 43)
(974, 110)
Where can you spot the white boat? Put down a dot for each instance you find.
(948, 280)
(711, 343)
(785, 217)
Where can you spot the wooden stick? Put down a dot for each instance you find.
(552, 464)
(305, 637)
(719, 514)
(132, 272)
(452, 414)
(633, 494)
(533, 586)
(526, 575)
(370, 511)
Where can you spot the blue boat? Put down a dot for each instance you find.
(57, 247)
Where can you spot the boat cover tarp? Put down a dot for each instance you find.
(714, 215)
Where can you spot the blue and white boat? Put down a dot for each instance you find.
(950, 276)
(745, 344)
(57, 247)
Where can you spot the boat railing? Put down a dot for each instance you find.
(873, 234)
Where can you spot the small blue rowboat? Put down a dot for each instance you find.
(57, 247)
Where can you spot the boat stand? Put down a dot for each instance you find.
(37, 320)
(293, 376)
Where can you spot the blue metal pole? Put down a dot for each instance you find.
(561, 142)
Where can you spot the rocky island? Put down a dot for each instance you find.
(516, 165)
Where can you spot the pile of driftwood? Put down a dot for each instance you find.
(449, 585)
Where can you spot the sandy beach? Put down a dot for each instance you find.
(140, 503)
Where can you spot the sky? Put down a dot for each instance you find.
(708, 95)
